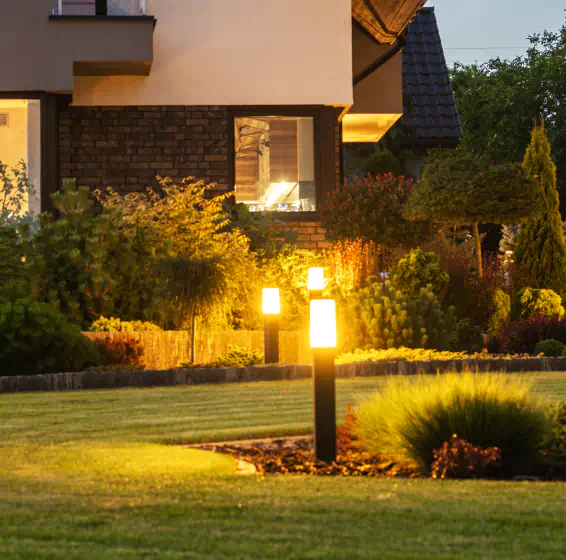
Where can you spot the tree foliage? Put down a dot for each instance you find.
(541, 251)
(200, 261)
(499, 100)
(458, 188)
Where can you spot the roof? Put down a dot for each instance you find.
(385, 20)
(431, 115)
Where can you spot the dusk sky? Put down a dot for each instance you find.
(485, 24)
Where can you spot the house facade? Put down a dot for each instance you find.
(255, 96)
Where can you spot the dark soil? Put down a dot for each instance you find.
(296, 456)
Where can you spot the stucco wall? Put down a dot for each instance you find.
(38, 53)
(221, 52)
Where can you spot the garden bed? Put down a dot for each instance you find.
(199, 376)
(295, 456)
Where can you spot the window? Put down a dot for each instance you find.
(275, 163)
(20, 142)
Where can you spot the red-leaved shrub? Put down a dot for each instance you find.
(345, 435)
(522, 336)
(458, 458)
(121, 351)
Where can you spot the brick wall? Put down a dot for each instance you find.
(127, 147)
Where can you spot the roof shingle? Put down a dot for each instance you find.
(431, 114)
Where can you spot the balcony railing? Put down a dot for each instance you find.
(101, 7)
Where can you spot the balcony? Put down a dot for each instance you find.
(106, 37)
(93, 8)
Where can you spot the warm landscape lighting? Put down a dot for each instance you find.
(271, 304)
(323, 323)
(316, 279)
(323, 343)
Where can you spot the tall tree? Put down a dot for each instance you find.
(499, 100)
(457, 188)
(541, 250)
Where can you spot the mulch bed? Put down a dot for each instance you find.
(294, 456)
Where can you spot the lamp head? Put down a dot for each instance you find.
(271, 304)
(323, 323)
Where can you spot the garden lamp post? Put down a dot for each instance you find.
(323, 343)
(316, 282)
(271, 307)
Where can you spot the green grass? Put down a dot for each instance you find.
(83, 475)
(187, 414)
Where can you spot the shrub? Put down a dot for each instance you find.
(556, 442)
(236, 357)
(529, 303)
(411, 418)
(549, 348)
(240, 357)
(501, 312)
(288, 270)
(472, 296)
(419, 270)
(371, 209)
(123, 351)
(469, 337)
(35, 338)
(384, 317)
(395, 354)
(460, 459)
(521, 337)
(70, 257)
(347, 262)
(102, 324)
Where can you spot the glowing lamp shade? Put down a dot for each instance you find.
(316, 279)
(323, 323)
(271, 304)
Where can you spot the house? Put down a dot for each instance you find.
(256, 96)
(430, 118)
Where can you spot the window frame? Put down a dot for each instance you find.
(50, 106)
(324, 120)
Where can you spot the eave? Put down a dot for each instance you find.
(385, 20)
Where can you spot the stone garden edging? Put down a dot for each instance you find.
(200, 376)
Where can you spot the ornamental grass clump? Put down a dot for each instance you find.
(411, 418)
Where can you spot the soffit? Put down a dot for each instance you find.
(385, 20)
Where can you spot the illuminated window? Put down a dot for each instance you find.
(275, 166)
(20, 143)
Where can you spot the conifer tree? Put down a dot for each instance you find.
(541, 251)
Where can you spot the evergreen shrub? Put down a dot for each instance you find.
(103, 324)
(501, 312)
(410, 418)
(419, 270)
(383, 317)
(121, 352)
(529, 303)
(549, 348)
(35, 339)
(235, 357)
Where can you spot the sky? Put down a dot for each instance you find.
(478, 30)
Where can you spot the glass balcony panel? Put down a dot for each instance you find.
(88, 7)
(125, 8)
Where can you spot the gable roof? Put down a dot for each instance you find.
(431, 115)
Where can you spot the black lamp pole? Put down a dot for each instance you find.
(324, 404)
(271, 339)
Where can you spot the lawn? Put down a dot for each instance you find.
(84, 475)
